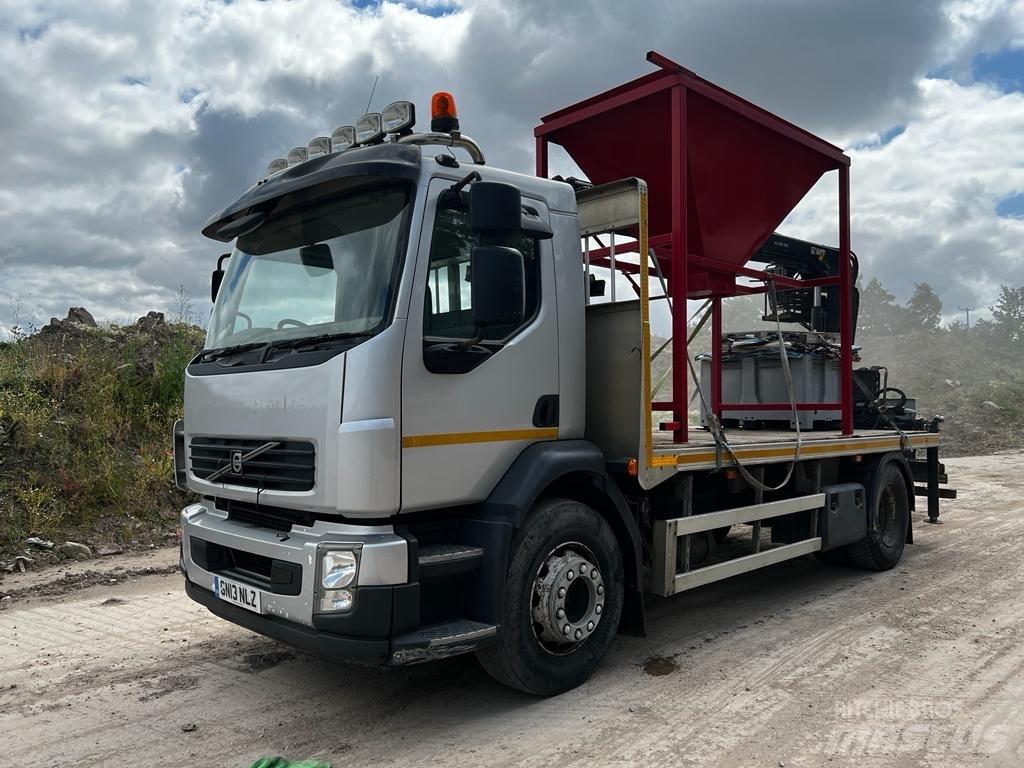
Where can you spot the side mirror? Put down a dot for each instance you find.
(217, 277)
(499, 285)
(495, 208)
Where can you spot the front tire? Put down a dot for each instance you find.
(564, 594)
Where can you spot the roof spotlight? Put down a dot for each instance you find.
(321, 145)
(298, 155)
(398, 117)
(343, 138)
(276, 166)
(368, 128)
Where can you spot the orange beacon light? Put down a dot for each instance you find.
(444, 118)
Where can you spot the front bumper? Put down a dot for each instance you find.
(386, 597)
(359, 649)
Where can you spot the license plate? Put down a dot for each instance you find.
(239, 594)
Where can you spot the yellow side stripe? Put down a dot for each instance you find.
(463, 438)
(812, 449)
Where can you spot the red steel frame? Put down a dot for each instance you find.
(673, 244)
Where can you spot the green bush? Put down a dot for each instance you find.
(85, 420)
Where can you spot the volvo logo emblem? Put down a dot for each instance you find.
(237, 459)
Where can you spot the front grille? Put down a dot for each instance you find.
(288, 466)
(263, 516)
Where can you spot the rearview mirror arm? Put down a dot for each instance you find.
(453, 192)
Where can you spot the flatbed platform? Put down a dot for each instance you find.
(766, 446)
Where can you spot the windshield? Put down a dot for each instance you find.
(325, 269)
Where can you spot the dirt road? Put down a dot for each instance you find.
(799, 665)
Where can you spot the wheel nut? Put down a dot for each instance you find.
(560, 613)
(570, 576)
(593, 574)
(600, 589)
(565, 630)
(579, 634)
(598, 608)
(590, 625)
(561, 592)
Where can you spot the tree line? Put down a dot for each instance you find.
(881, 315)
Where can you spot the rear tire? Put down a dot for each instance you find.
(547, 645)
(889, 522)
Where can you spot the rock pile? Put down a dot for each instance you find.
(77, 319)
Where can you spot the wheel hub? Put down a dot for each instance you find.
(568, 597)
(888, 519)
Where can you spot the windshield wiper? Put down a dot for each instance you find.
(208, 355)
(309, 343)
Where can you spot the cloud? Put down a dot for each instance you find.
(124, 131)
(926, 204)
(125, 126)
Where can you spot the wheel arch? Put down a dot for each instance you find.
(574, 469)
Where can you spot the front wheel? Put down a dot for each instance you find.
(564, 593)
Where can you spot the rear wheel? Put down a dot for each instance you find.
(883, 547)
(564, 593)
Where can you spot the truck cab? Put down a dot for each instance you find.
(350, 414)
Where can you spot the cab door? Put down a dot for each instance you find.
(468, 410)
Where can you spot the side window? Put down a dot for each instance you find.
(447, 307)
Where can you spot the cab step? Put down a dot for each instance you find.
(440, 640)
(446, 559)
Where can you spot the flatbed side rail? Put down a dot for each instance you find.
(669, 576)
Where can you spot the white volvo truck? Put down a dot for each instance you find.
(413, 435)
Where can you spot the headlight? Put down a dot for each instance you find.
(338, 569)
(336, 600)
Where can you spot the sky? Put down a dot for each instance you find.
(125, 124)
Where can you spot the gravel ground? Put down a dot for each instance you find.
(798, 665)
